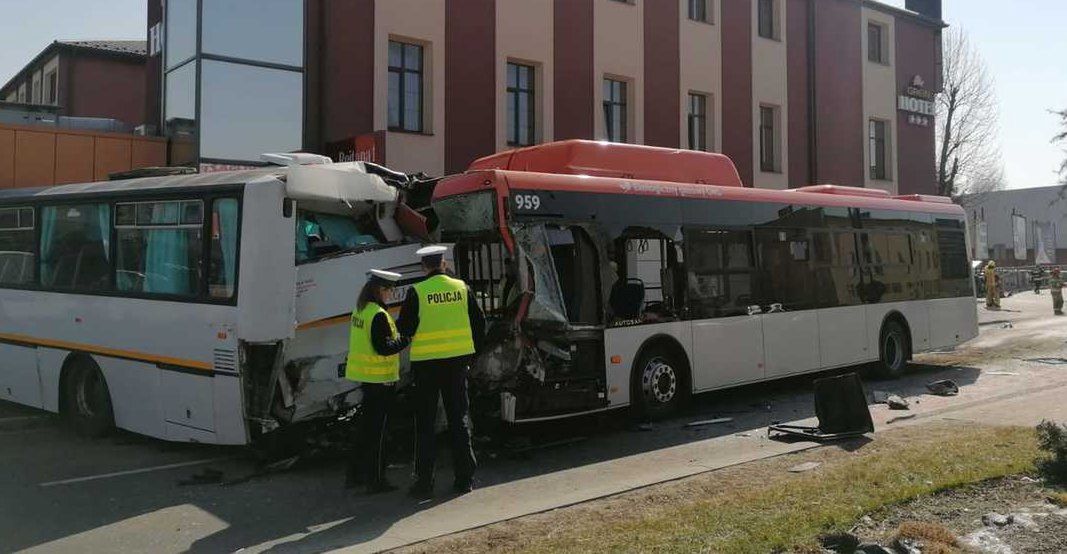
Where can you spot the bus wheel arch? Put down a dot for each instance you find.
(661, 381)
(84, 396)
(894, 345)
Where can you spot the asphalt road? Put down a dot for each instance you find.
(62, 493)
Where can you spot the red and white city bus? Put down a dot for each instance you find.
(620, 275)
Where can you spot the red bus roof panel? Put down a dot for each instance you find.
(624, 161)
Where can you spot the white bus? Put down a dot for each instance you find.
(210, 308)
(619, 275)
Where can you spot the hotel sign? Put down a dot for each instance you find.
(918, 103)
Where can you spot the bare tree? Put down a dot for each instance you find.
(968, 158)
(1062, 138)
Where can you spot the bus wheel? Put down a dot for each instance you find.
(892, 350)
(659, 384)
(87, 401)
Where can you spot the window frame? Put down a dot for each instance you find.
(235, 192)
(403, 71)
(878, 150)
(116, 227)
(769, 136)
(513, 94)
(35, 243)
(877, 50)
(695, 7)
(700, 119)
(767, 13)
(610, 102)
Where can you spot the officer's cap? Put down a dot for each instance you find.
(388, 277)
(431, 255)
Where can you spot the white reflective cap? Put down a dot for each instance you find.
(435, 250)
(390, 276)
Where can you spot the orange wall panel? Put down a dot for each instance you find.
(7, 158)
(148, 153)
(74, 159)
(35, 158)
(111, 155)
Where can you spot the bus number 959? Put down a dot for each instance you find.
(530, 202)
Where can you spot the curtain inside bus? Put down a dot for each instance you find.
(223, 278)
(166, 266)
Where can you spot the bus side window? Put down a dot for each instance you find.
(76, 247)
(721, 272)
(17, 246)
(222, 261)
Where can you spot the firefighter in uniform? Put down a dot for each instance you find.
(445, 324)
(373, 361)
(992, 291)
(1055, 286)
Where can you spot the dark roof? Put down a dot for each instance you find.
(118, 46)
(127, 49)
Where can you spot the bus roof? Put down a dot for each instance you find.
(344, 182)
(526, 169)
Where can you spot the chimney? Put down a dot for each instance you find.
(928, 8)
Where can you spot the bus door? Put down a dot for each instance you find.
(727, 327)
(787, 302)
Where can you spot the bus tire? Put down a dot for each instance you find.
(659, 385)
(87, 400)
(893, 350)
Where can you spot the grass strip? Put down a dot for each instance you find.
(761, 507)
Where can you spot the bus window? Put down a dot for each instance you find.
(222, 261)
(159, 247)
(321, 234)
(17, 249)
(75, 246)
(574, 256)
(786, 273)
(721, 267)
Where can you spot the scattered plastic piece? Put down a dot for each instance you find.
(709, 422)
(945, 387)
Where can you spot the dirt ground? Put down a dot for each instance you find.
(1037, 525)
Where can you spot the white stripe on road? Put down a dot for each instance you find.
(132, 472)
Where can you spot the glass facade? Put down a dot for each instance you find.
(234, 82)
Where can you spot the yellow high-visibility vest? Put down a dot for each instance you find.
(365, 365)
(444, 325)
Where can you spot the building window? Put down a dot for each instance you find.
(51, 92)
(615, 110)
(700, 10)
(768, 139)
(36, 92)
(877, 45)
(879, 149)
(405, 87)
(767, 16)
(698, 122)
(521, 113)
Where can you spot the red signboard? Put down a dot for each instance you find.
(369, 147)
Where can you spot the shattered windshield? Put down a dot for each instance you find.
(540, 271)
(468, 213)
(320, 235)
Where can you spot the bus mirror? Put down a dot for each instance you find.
(287, 208)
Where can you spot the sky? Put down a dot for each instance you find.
(1023, 42)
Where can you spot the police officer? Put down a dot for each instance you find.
(445, 325)
(1055, 286)
(374, 346)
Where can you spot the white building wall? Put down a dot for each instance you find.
(619, 53)
(770, 86)
(700, 51)
(880, 98)
(524, 34)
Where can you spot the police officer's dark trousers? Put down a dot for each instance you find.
(367, 464)
(446, 379)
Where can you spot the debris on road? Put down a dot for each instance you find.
(901, 418)
(994, 519)
(208, 476)
(804, 467)
(880, 396)
(999, 373)
(1047, 361)
(944, 387)
(715, 421)
(895, 402)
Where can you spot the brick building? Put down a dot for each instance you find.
(794, 91)
(90, 78)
